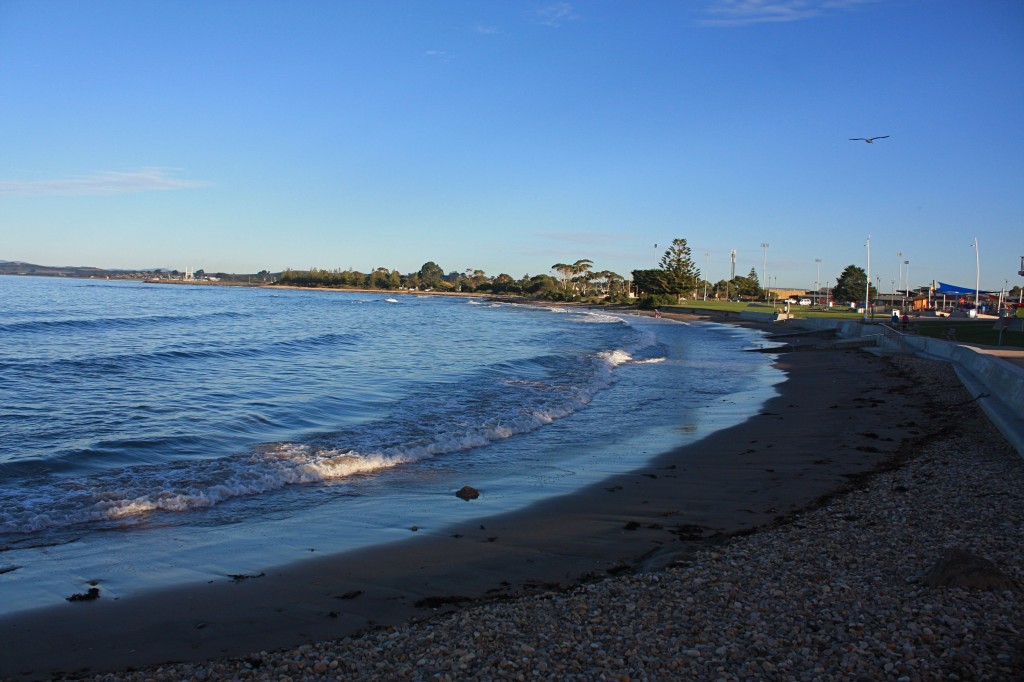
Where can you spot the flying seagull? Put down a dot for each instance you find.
(869, 140)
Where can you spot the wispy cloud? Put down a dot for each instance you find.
(439, 55)
(556, 14)
(485, 30)
(745, 12)
(100, 183)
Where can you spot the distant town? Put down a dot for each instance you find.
(85, 272)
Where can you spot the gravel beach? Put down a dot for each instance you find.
(842, 590)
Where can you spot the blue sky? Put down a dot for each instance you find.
(509, 136)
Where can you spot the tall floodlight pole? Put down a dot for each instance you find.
(977, 275)
(867, 282)
(707, 254)
(764, 263)
(732, 272)
(910, 301)
(1020, 291)
(817, 281)
(899, 255)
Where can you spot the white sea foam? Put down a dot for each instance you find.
(593, 317)
(616, 357)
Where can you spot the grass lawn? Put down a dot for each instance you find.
(964, 331)
(797, 311)
(968, 331)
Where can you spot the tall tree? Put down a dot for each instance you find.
(678, 272)
(540, 285)
(850, 285)
(565, 273)
(747, 287)
(647, 282)
(580, 269)
(431, 274)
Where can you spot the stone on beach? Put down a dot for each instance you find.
(467, 493)
(959, 567)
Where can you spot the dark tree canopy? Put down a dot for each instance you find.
(749, 286)
(850, 286)
(678, 272)
(648, 281)
(431, 274)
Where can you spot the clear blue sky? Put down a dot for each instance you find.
(509, 136)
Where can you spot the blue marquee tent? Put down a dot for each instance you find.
(953, 290)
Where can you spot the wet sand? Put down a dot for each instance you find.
(839, 414)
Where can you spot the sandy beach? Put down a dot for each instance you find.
(759, 552)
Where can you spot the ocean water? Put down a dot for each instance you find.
(158, 434)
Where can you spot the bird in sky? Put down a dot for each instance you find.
(869, 140)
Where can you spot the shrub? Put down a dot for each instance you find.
(657, 301)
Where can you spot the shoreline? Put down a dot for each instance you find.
(754, 475)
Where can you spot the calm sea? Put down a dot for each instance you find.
(154, 434)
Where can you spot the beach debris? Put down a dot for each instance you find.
(349, 595)
(239, 577)
(91, 594)
(690, 531)
(959, 567)
(437, 602)
(467, 493)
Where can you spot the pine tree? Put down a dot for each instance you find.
(678, 273)
(850, 286)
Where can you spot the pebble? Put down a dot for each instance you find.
(835, 594)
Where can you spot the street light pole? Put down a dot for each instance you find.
(977, 275)
(655, 253)
(899, 254)
(707, 254)
(867, 281)
(817, 282)
(764, 263)
(909, 299)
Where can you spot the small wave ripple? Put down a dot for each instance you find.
(500, 402)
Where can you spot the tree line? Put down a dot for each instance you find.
(676, 277)
(430, 277)
(576, 281)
